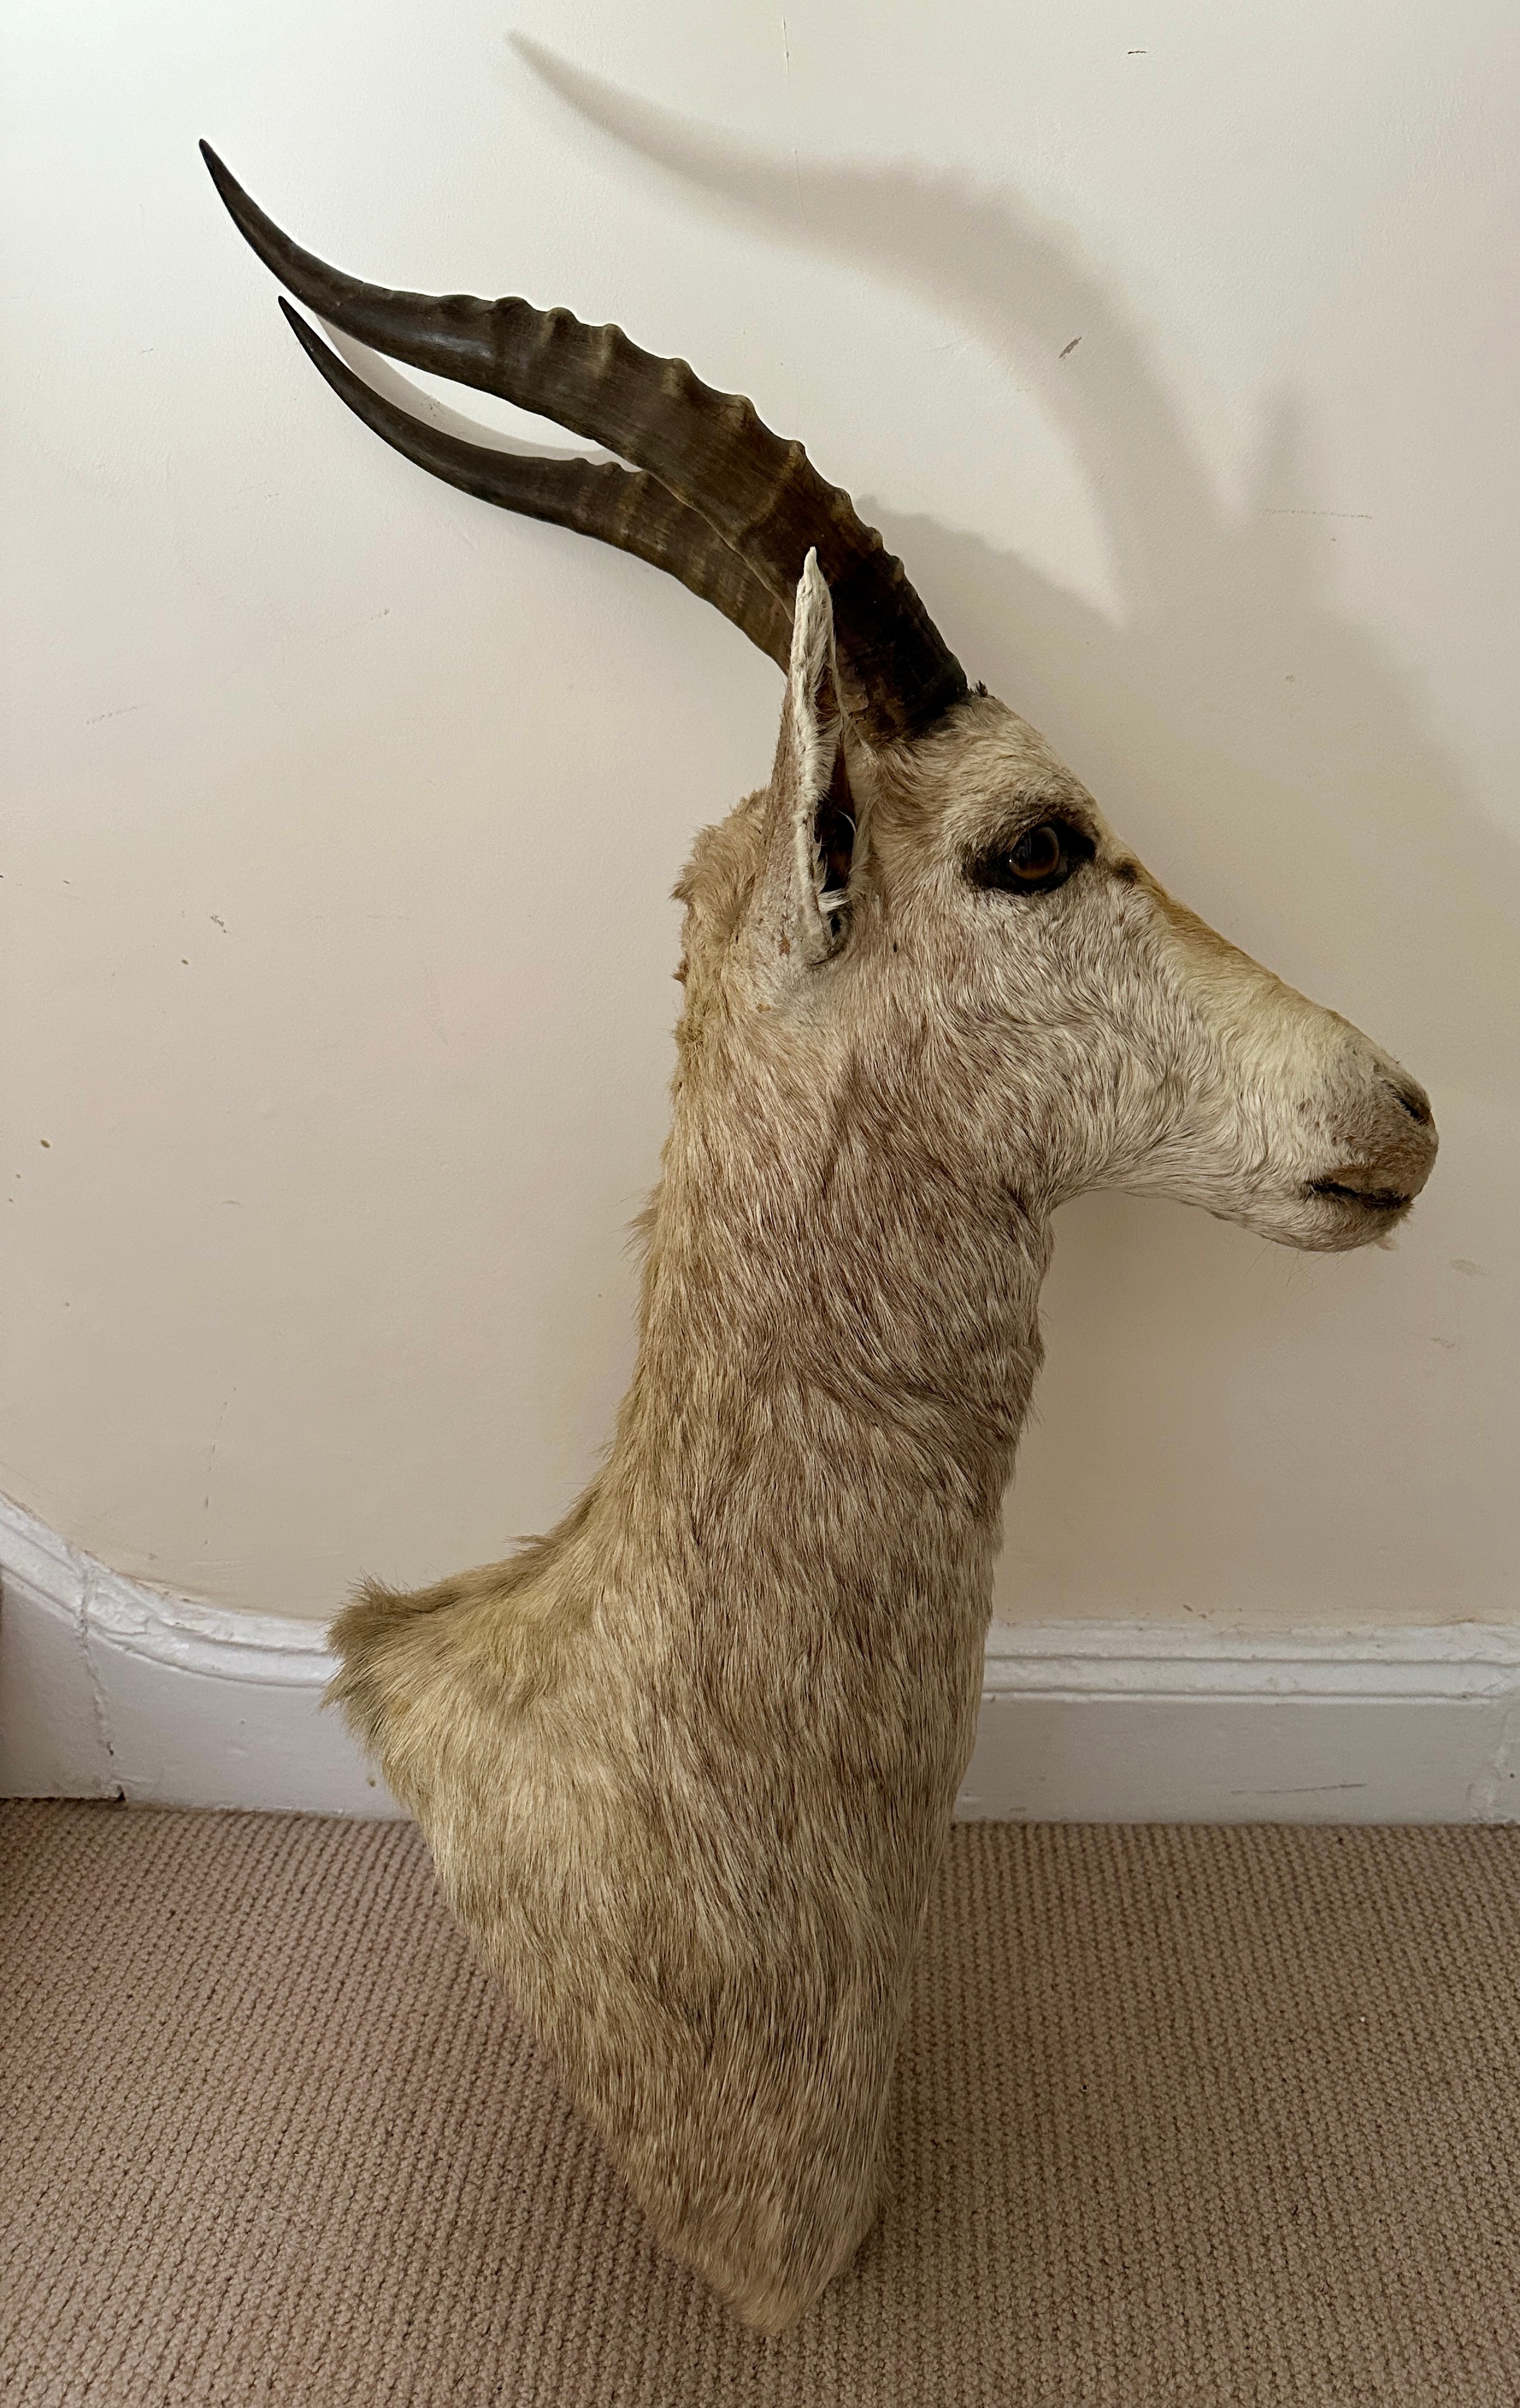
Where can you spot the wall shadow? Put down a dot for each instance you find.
(1238, 709)
(1274, 759)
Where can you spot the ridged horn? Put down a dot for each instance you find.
(624, 506)
(759, 494)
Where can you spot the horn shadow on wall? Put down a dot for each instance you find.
(1341, 801)
(1178, 713)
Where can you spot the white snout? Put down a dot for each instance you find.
(1389, 1152)
(1294, 1122)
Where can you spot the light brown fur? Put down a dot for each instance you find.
(686, 1765)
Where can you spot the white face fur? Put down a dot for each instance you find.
(1058, 1022)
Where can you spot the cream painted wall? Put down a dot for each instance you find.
(342, 812)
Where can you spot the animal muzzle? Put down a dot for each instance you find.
(1390, 1141)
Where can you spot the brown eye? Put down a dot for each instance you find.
(1038, 853)
(1038, 859)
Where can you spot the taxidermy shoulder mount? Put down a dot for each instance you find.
(687, 1764)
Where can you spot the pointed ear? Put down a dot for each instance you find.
(813, 836)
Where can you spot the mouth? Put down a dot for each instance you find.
(1379, 1200)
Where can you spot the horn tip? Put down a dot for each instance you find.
(243, 211)
(306, 334)
(223, 178)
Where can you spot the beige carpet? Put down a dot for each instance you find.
(1186, 2115)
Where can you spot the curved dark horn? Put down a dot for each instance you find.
(625, 506)
(761, 495)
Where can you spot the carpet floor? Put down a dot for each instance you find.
(1186, 2115)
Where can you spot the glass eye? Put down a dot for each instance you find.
(1039, 858)
(1038, 851)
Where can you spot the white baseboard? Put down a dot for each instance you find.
(110, 1689)
(1115, 1721)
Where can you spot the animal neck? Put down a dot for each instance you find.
(838, 1343)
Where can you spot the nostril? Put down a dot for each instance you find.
(1414, 1100)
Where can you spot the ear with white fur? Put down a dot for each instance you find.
(813, 839)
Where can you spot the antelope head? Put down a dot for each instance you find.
(924, 911)
(685, 1765)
